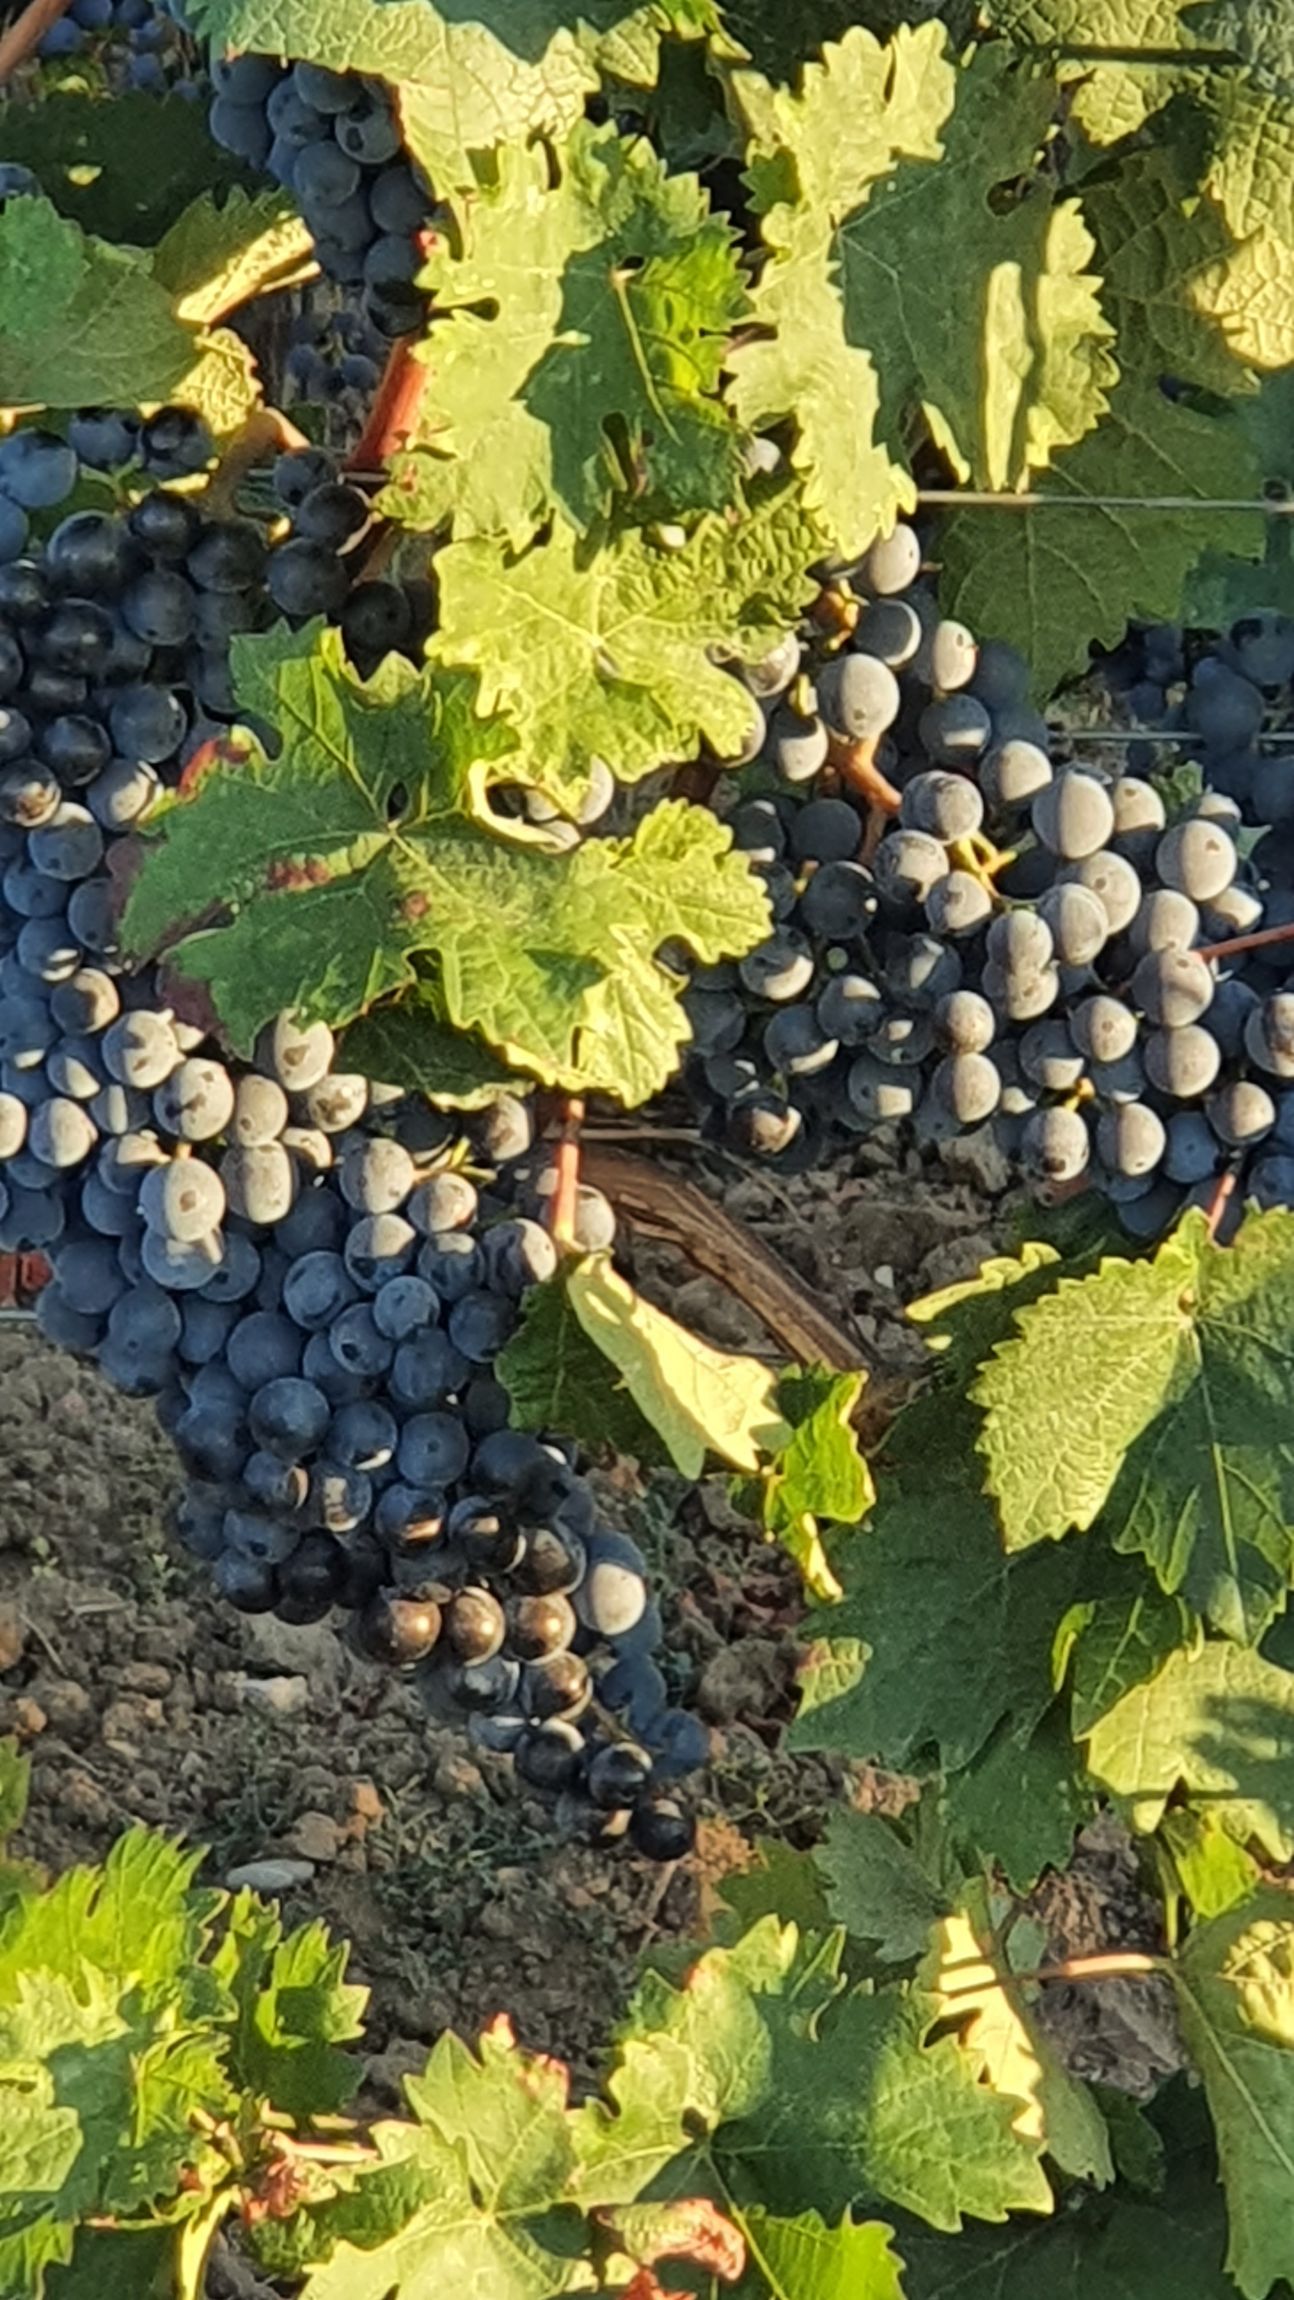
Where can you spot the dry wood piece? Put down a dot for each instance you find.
(393, 416)
(663, 1206)
(25, 34)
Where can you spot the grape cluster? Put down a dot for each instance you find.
(312, 569)
(1227, 697)
(137, 38)
(333, 141)
(39, 470)
(1024, 944)
(335, 359)
(295, 1263)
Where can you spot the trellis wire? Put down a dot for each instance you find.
(986, 499)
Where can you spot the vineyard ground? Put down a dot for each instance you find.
(139, 1700)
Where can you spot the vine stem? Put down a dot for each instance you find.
(566, 1165)
(21, 1277)
(325, 2151)
(1111, 1965)
(1263, 940)
(985, 499)
(1221, 1199)
(24, 36)
(662, 1205)
(1272, 738)
(855, 763)
(394, 412)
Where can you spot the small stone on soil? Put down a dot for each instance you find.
(281, 1696)
(269, 1876)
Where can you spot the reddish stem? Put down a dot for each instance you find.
(1260, 941)
(1221, 1199)
(22, 1277)
(1109, 1965)
(855, 763)
(835, 612)
(566, 1166)
(394, 414)
(24, 36)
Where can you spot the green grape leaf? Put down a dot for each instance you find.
(107, 2049)
(1222, 589)
(1247, 292)
(294, 2011)
(850, 117)
(854, 115)
(359, 848)
(805, 366)
(1249, 173)
(115, 2264)
(779, 1883)
(461, 2199)
(216, 257)
(1154, 1398)
(609, 652)
(1213, 1871)
(579, 339)
(1130, 58)
(1022, 1800)
(863, 2104)
(221, 385)
(1123, 1638)
(15, 1784)
(1082, 564)
(940, 1635)
(1136, 2144)
(1158, 247)
(1216, 1722)
(1258, 32)
(939, 1640)
(697, 1398)
(777, 41)
(804, 2098)
(557, 1378)
(104, 2090)
(963, 1320)
(809, 2259)
(693, 2057)
(895, 153)
(1010, 362)
(819, 1473)
(1235, 1996)
(684, 114)
(468, 79)
(82, 323)
(877, 1887)
(137, 1915)
(975, 1988)
(1120, 53)
(86, 154)
(410, 1042)
(1232, 64)
(1117, 2242)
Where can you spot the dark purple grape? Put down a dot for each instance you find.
(398, 1629)
(661, 1830)
(618, 1775)
(474, 1625)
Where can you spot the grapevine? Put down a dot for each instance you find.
(650, 579)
